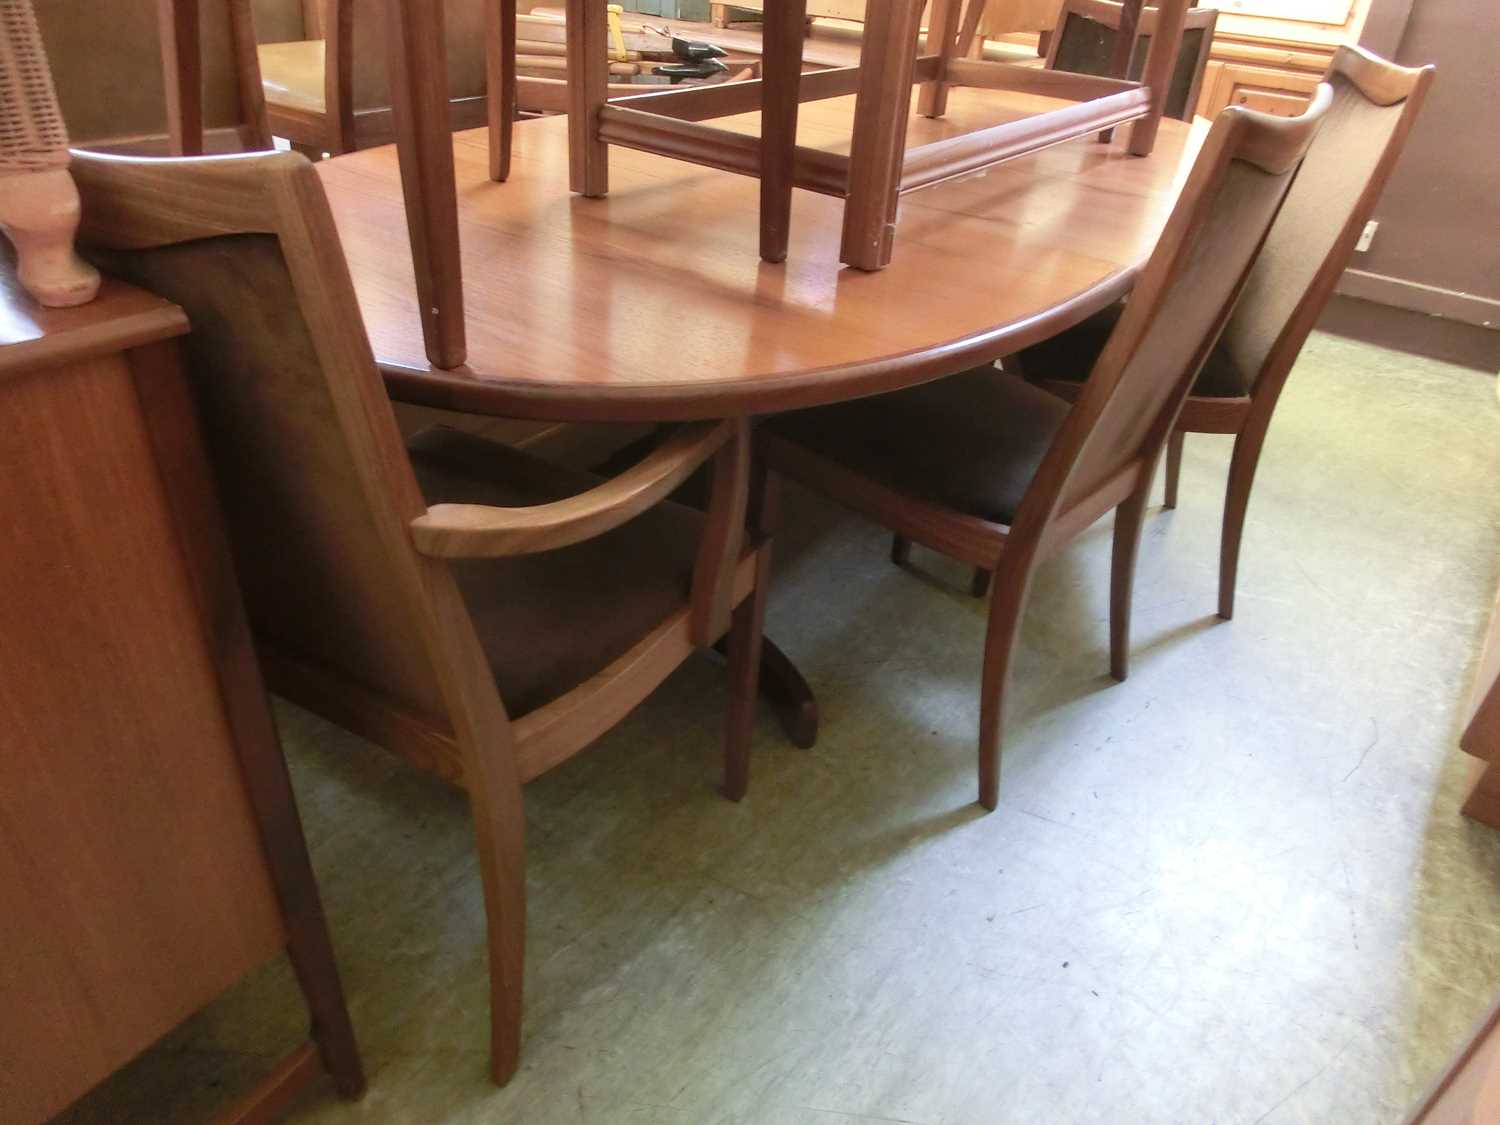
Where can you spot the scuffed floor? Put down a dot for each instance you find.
(1234, 890)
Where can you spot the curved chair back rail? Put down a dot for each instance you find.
(360, 614)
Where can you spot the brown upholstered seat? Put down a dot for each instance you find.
(1070, 356)
(548, 622)
(971, 442)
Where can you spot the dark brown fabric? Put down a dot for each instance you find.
(550, 621)
(971, 442)
(1070, 356)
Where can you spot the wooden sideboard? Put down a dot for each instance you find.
(153, 853)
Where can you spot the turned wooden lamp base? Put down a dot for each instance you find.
(39, 212)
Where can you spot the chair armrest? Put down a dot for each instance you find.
(480, 531)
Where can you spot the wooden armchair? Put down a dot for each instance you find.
(1087, 40)
(998, 473)
(326, 84)
(482, 612)
(176, 77)
(1375, 104)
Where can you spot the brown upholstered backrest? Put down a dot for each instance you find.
(1179, 305)
(1084, 42)
(109, 71)
(314, 480)
(1374, 104)
(463, 24)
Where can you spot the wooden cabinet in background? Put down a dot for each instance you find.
(153, 854)
(1269, 54)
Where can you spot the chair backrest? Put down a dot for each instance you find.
(171, 77)
(286, 21)
(464, 32)
(1126, 409)
(1084, 42)
(314, 479)
(1375, 104)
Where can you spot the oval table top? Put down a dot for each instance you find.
(651, 304)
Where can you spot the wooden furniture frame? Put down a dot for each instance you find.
(203, 64)
(1103, 457)
(364, 622)
(878, 169)
(1116, 16)
(1304, 258)
(154, 853)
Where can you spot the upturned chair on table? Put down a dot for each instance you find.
(878, 169)
(1375, 104)
(482, 612)
(1000, 474)
(1097, 37)
(172, 78)
(326, 78)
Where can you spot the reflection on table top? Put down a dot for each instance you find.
(652, 304)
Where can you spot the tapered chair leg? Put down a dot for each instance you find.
(900, 550)
(1174, 466)
(500, 83)
(1242, 466)
(1130, 517)
(744, 679)
(1012, 583)
(499, 835)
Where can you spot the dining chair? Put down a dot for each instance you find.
(482, 612)
(175, 77)
(326, 85)
(1375, 104)
(1086, 41)
(1002, 475)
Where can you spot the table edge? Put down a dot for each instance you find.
(460, 390)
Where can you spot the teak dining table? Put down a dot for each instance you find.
(652, 305)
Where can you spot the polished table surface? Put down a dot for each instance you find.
(651, 304)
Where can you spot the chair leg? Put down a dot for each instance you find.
(1130, 517)
(499, 836)
(1012, 583)
(500, 81)
(744, 676)
(900, 550)
(1242, 466)
(1174, 466)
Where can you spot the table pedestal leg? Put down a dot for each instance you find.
(782, 686)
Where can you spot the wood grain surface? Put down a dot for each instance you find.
(652, 304)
